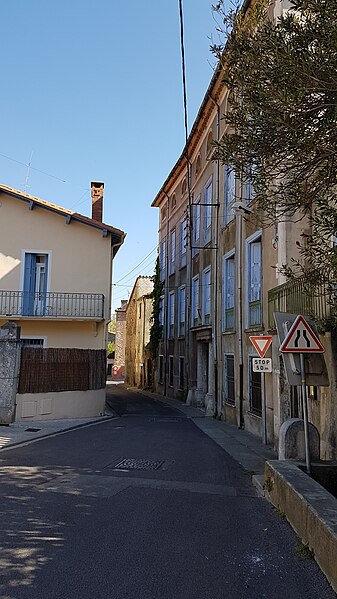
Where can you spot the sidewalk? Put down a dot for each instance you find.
(19, 433)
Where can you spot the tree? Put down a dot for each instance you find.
(282, 80)
(156, 328)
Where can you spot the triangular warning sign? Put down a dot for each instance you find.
(261, 343)
(301, 339)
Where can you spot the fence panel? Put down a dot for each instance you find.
(61, 369)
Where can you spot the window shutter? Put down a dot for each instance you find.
(255, 271)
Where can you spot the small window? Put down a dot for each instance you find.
(163, 213)
(32, 342)
(229, 379)
(173, 201)
(170, 371)
(184, 187)
(255, 390)
(172, 251)
(181, 373)
(229, 194)
(228, 292)
(140, 311)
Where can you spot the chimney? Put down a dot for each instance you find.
(97, 189)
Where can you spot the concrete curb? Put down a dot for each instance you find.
(310, 510)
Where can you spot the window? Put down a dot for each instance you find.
(32, 342)
(229, 194)
(254, 257)
(184, 187)
(207, 212)
(172, 251)
(173, 201)
(249, 189)
(196, 221)
(182, 242)
(170, 382)
(161, 311)
(198, 166)
(160, 369)
(209, 143)
(229, 379)
(181, 373)
(163, 213)
(255, 390)
(171, 314)
(228, 292)
(35, 284)
(195, 301)
(206, 296)
(181, 310)
(162, 259)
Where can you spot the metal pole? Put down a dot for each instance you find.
(305, 415)
(264, 412)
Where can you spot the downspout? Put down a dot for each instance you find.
(143, 340)
(217, 408)
(165, 327)
(238, 217)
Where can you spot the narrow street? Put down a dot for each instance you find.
(178, 519)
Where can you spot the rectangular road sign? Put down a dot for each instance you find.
(262, 365)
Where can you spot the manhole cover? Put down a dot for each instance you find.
(32, 430)
(136, 464)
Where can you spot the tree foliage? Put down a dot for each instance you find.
(281, 121)
(156, 328)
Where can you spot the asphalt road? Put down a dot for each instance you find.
(179, 521)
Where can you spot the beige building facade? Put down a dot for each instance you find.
(138, 324)
(220, 269)
(55, 283)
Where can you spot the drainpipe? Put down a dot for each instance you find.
(217, 408)
(238, 217)
(165, 326)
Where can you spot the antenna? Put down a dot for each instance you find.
(25, 187)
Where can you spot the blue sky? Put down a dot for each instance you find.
(92, 91)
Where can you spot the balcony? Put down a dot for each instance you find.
(51, 305)
(300, 297)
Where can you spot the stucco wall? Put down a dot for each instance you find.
(53, 406)
(80, 258)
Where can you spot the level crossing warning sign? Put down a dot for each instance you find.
(301, 339)
(261, 343)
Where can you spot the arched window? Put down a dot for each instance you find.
(198, 166)
(184, 187)
(209, 146)
(163, 213)
(173, 201)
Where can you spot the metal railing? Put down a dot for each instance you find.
(300, 297)
(52, 304)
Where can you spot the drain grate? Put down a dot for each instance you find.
(32, 430)
(138, 464)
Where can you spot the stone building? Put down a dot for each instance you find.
(222, 285)
(118, 371)
(138, 324)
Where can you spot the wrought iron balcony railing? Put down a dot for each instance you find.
(300, 297)
(52, 304)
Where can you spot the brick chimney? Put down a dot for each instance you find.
(97, 190)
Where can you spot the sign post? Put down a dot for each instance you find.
(301, 339)
(262, 365)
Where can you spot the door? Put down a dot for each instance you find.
(35, 284)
